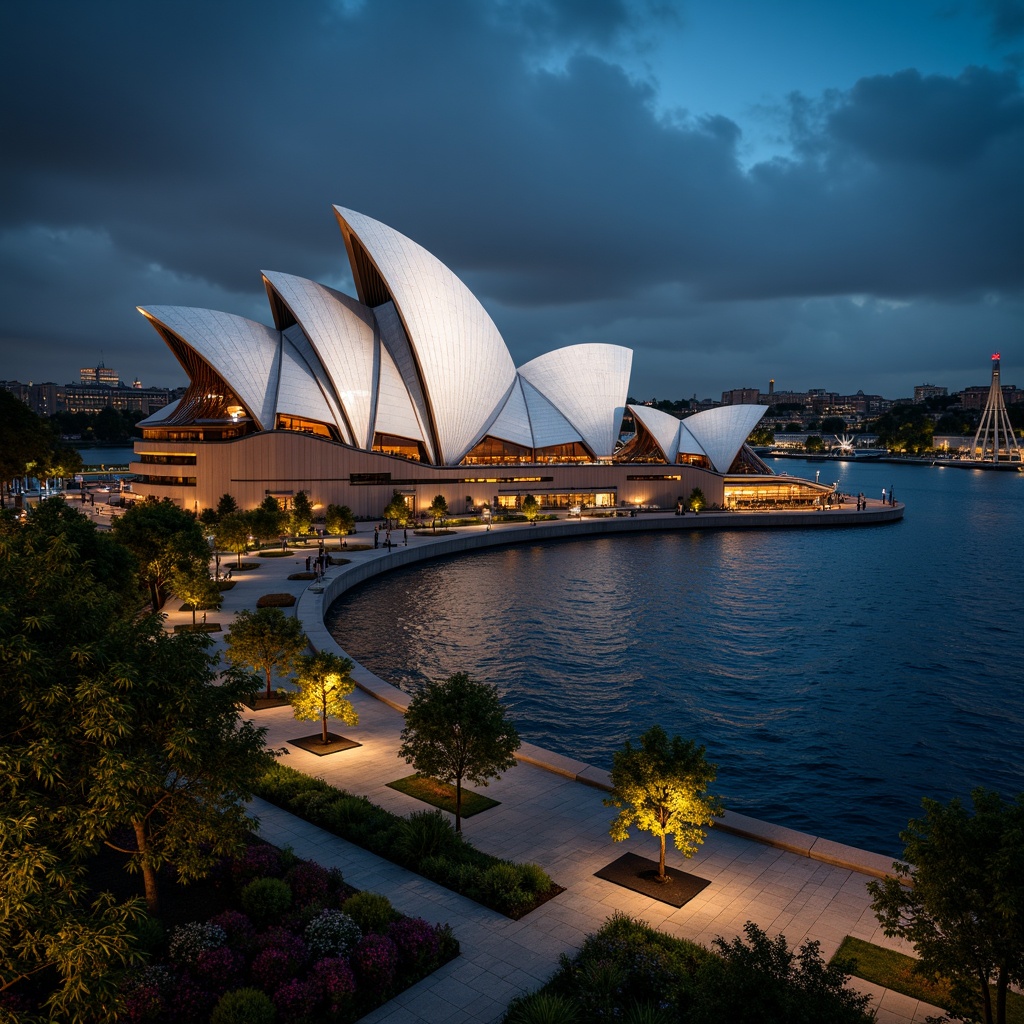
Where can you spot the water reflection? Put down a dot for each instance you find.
(836, 676)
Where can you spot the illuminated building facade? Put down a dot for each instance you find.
(409, 387)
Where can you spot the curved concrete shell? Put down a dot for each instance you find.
(242, 352)
(588, 384)
(721, 432)
(342, 333)
(662, 426)
(463, 363)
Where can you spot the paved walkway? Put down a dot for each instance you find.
(559, 823)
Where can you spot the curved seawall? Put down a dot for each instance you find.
(364, 565)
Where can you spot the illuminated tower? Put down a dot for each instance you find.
(994, 432)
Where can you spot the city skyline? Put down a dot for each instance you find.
(827, 197)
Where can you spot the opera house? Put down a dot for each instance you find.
(411, 388)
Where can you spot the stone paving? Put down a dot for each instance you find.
(557, 822)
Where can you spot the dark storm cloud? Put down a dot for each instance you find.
(167, 153)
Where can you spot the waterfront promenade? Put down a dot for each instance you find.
(546, 815)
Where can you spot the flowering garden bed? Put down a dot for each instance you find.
(424, 842)
(295, 946)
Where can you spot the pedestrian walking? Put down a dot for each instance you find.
(376, 537)
(405, 536)
(307, 563)
(883, 495)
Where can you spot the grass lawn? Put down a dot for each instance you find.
(440, 794)
(896, 971)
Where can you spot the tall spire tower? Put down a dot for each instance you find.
(994, 434)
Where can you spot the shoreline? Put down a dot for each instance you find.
(317, 599)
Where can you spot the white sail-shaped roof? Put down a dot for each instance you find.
(299, 392)
(588, 384)
(686, 443)
(341, 330)
(722, 431)
(243, 352)
(395, 342)
(549, 426)
(662, 426)
(395, 412)
(513, 422)
(465, 367)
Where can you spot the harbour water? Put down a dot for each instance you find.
(835, 676)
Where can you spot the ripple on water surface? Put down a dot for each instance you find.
(835, 676)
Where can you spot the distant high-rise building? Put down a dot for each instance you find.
(924, 391)
(741, 396)
(771, 386)
(99, 375)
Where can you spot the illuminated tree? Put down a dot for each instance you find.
(397, 510)
(339, 519)
(301, 515)
(814, 443)
(234, 533)
(457, 729)
(959, 898)
(160, 536)
(530, 508)
(438, 509)
(25, 440)
(661, 786)
(325, 680)
(268, 521)
(696, 501)
(264, 640)
(761, 436)
(190, 582)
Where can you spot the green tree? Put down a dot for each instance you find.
(25, 440)
(301, 515)
(396, 510)
(226, 504)
(325, 681)
(762, 979)
(68, 605)
(833, 425)
(696, 501)
(339, 519)
(265, 640)
(234, 533)
(438, 509)
(959, 898)
(814, 443)
(190, 582)
(160, 535)
(181, 772)
(268, 522)
(905, 428)
(109, 427)
(661, 786)
(761, 436)
(457, 729)
(530, 508)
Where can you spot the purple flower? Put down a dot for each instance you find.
(190, 1002)
(375, 959)
(415, 940)
(310, 883)
(258, 861)
(336, 981)
(239, 929)
(220, 969)
(296, 1000)
(275, 965)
